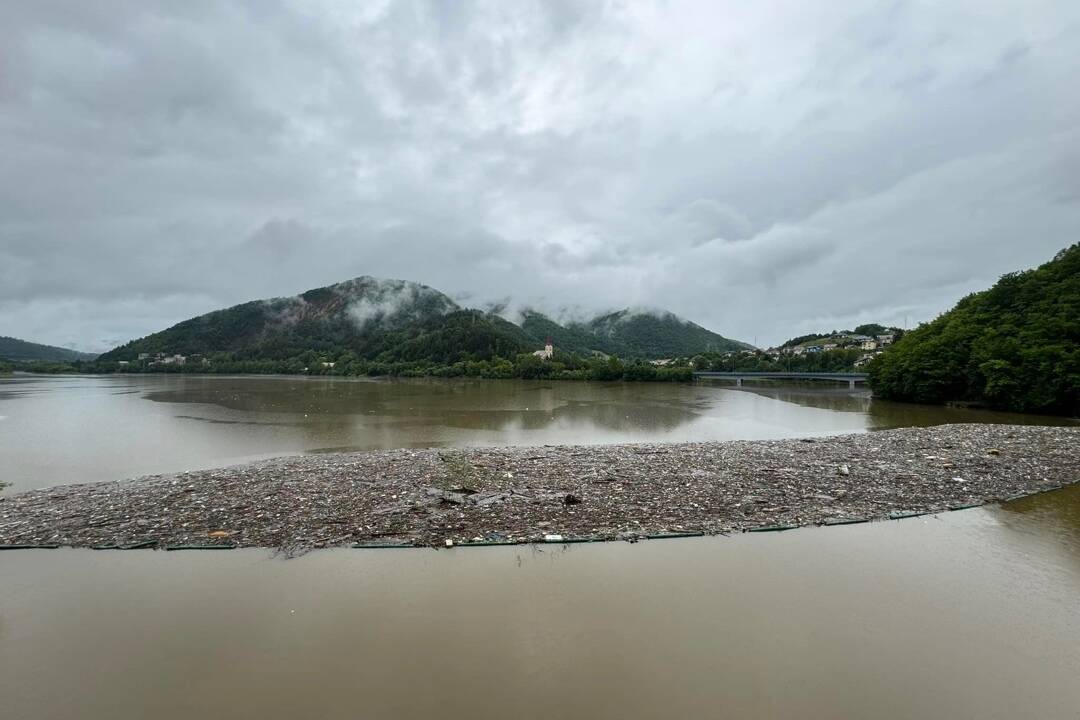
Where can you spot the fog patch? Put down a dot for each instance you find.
(373, 301)
(284, 311)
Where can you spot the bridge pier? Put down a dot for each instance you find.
(738, 382)
(851, 384)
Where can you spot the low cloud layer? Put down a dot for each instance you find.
(763, 169)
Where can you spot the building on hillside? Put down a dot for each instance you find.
(547, 352)
(829, 346)
(869, 344)
(886, 339)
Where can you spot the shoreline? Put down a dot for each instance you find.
(513, 495)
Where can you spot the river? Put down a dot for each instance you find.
(68, 429)
(966, 614)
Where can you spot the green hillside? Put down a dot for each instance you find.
(366, 318)
(23, 351)
(573, 339)
(1015, 346)
(368, 326)
(655, 335)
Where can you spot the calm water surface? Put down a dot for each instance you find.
(972, 614)
(59, 430)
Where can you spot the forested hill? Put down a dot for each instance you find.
(365, 318)
(23, 351)
(630, 334)
(1015, 346)
(573, 339)
(656, 334)
(368, 320)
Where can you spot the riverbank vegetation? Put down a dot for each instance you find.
(44, 367)
(1013, 347)
(562, 366)
(837, 360)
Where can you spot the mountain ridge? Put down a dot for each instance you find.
(391, 320)
(18, 350)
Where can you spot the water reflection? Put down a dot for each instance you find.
(1050, 519)
(80, 429)
(883, 414)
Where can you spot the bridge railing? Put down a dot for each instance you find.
(738, 377)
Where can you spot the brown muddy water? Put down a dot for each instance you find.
(970, 614)
(60, 430)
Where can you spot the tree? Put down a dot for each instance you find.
(1015, 346)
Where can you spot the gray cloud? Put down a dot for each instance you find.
(763, 170)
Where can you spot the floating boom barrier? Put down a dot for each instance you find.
(550, 539)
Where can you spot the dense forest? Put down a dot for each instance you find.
(838, 360)
(653, 334)
(563, 366)
(1015, 346)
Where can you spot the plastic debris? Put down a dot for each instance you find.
(410, 498)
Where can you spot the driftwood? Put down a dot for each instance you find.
(427, 497)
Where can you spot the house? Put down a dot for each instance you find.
(547, 352)
(144, 356)
(798, 350)
(829, 346)
(869, 344)
(886, 339)
(174, 359)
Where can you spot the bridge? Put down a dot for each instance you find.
(738, 377)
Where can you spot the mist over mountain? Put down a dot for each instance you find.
(656, 333)
(372, 318)
(401, 321)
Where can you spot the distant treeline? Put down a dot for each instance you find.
(563, 366)
(43, 366)
(838, 360)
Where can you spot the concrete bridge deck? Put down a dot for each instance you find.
(738, 377)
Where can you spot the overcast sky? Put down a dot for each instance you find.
(765, 169)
